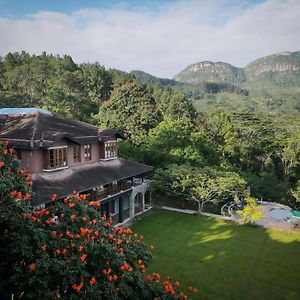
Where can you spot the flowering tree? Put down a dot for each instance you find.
(251, 213)
(67, 250)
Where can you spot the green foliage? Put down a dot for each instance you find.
(201, 185)
(291, 156)
(53, 82)
(251, 212)
(130, 108)
(174, 105)
(296, 191)
(67, 250)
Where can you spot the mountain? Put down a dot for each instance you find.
(195, 91)
(211, 72)
(281, 68)
(147, 78)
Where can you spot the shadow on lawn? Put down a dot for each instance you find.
(224, 260)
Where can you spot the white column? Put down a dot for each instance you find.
(143, 203)
(131, 205)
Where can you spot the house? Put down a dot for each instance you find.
(65, 155)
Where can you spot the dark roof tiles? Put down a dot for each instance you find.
(35, 128)
(83, 177)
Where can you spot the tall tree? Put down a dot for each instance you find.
(130, 108)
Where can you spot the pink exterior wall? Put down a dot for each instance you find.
(32, 160)
(70, 158)
(95, 152)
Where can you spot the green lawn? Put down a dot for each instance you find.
(223, 260)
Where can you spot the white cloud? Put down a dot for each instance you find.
(161, 42)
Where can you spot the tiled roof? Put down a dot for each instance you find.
(43, 129)
(83, 177)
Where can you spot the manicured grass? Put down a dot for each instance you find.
(223, 260)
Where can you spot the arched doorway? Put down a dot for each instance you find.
(147, 199)
(138, 203)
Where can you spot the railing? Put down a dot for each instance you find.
(113, 190)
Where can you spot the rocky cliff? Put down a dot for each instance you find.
(278, 68)
(211, 72)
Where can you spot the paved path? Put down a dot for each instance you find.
(271, 218)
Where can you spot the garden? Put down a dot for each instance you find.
(222, 259)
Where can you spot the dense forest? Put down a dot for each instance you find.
(200, 152)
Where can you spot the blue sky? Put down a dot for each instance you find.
(160, 36)
(20, 8)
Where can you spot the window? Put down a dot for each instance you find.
(110, 149)
(57, 158)
(114, 206)
(87, 152)
(76, 153)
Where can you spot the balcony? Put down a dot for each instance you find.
(113, 190)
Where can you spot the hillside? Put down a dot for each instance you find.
(147, 78)
(277, 69)
(211, 72)
(194, 91)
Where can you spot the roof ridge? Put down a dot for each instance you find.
(34, 129)
(75, 121)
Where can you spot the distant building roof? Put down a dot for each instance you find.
(23, 111)
(83, 177)
(42, 130)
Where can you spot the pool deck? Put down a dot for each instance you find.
(269, 219)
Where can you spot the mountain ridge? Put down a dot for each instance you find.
(280, 67)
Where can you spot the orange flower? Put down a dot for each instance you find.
(93, 222)
(1, 164)
(71, 205)
(53, 197)
(183, 296)
(32, 266)
(93, 280)
(94, 203)
(80, 248)
(48, 222)
(72, 217)
(83, 257)
(84, 219)
(4, 151)
(27, 196)
(13, 193)
(139, 261)
(77, 287)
